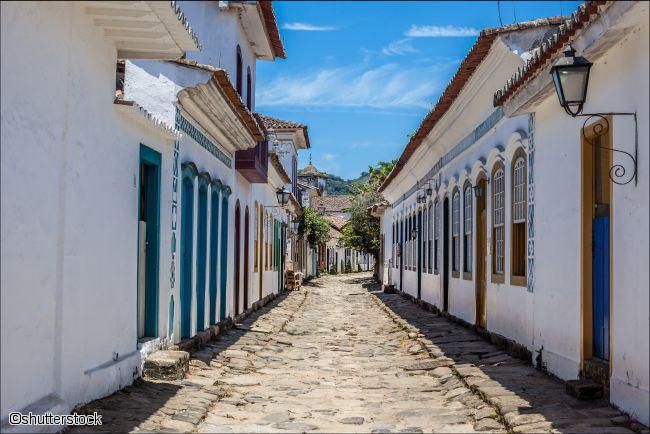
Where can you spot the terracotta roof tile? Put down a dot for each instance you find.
(476, 55)
(332, 203)
(278, 124)
(271, 25)
(336, 221)
(550, 47)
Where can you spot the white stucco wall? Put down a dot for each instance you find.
(70, 209)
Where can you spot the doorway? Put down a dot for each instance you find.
(419, 264)
(260, 249)
(401, 255)
(445, 255)
(481, 249)
(201, 252)
(187, 246)
(246, 259)
(237, 257)
(214, 248)
(596, 240)
(148, 242)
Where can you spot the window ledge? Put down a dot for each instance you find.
(498, 278)
(518, 281)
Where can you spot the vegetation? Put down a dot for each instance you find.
(313, 227)
(362, 231)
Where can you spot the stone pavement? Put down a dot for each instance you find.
(336, 357)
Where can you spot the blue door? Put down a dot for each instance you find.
(600, 279)
(149, 217)
(214, 248)
(419, 248)
(201, 252)
(187, 220)
(224, 257)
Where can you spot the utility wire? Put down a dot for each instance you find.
(499, 9)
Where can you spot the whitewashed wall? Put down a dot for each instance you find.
(618, 83)
(70, 210)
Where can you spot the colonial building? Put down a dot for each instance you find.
(528, 222)
(160, 215)
(313, 177)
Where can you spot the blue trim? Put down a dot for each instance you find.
(474, 136)
(187, 226)
(201, 252)
(224, 255)
(152, 161)
(188, 128)
(214, 249)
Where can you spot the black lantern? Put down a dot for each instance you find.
(429, 191)
(283, 196)
(295, 224)
(571, 77)
(478, 190)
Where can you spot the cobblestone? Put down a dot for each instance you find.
(341, 356)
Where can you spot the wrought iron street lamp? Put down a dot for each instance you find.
(295, 225)
(478, 190)
(571, 79)
(283, 196)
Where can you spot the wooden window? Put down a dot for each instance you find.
(249, 89)
(498, 224)
(413, 241)
(467, 232)
(455, 246)
(239, 73)
(436, 236)
(519, 205)
(256, 242)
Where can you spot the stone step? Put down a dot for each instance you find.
(584, 389)
(166, 365)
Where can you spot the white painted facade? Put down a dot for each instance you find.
(545, 314)
(70, 227)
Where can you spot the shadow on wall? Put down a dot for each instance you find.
(147, 404)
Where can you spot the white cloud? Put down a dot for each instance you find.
(399, 47)
(307, 27)
(440, 31)
(381, 87)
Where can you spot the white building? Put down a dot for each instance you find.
(501, 234)
(137, 233)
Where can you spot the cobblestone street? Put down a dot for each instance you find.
(340, 356)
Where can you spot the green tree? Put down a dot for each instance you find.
(362, 231)
(313, 227)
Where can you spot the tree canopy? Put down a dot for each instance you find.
(313, 227)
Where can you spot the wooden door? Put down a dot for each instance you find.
(237, 257)
(246, 259)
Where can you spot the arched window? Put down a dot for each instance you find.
(498, 224)
(239, 72)
(436, 235)
(455, 216)
(467, 231)
(518, 212)
(249, 89)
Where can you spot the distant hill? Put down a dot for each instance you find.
(338, 185)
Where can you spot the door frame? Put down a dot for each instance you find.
(445, 254)
(201, 249)
(587, 200)
(187, 248)
(480, 284)
(237, 254)
(153, 159)
(247, 233)
(419, 252)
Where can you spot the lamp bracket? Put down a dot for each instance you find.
(618, 172)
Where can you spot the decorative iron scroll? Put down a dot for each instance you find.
(618, 172)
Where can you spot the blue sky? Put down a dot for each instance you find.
(362, 75)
